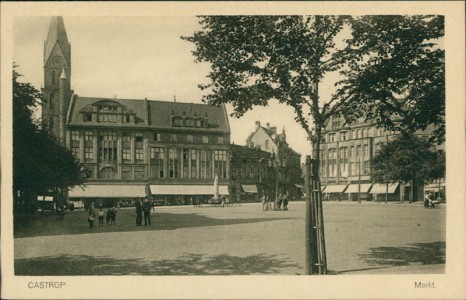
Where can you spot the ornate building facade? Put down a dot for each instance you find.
(133, 148)
(345, 163)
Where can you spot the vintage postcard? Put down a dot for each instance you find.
(233, 150)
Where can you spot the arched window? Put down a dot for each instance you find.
(53, 77)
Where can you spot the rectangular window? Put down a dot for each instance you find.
(332, 137)
(351, 169)
(157, 156)
(126, 137)
(205, 160)
(173, 137)
(343, 136)
(366, 150)
(220, 163)
(358, 151)
(185, 163)
(156, 137)
(75, 135)
(178, 122)
(358, 168)
(87, 117)
(75, 151)
(189, 138)
(205, 139)
(220, 140)
(88, 136)
(139, 154)
(367, 166)
(193, 163)
(126, 154)
(343, 152)
(173, 163)
(351, 152)
(88, 154)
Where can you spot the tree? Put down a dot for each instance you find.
(408, 158)
(40, 162)
(255, 59)
(397, 72)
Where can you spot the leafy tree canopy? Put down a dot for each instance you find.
(390, 66)
(407, 158)
(396, 74)
(40, 162)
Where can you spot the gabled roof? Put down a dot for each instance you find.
(159, 113)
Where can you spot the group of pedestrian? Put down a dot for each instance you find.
(141, 208)
(429, 200)
(110, 216)
(281, 203)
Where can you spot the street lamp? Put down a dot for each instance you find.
(278, 164)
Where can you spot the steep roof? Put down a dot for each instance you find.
(158, 112)
(57, 36)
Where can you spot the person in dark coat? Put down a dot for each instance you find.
(138, 213)
(146, 207)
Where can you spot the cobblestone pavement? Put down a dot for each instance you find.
(361, 238)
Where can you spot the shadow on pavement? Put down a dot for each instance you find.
(189, 264)
(76, 223)
(421, 253)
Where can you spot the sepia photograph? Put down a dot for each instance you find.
(210, 149)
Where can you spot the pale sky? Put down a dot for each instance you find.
(138, 57)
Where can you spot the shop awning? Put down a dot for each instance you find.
(299, 186)
(108, 191)
(337, 188)
(187, 189)
(47, 198)
(249, 188)
(354, 188)
(434, 187)
(381, 188)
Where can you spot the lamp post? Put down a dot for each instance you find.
(278, 165)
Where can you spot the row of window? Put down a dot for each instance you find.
(346, 169)
(153, 136)
(344, 153)
(167, 162)
(353, 134)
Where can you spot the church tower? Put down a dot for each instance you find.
(57, 78)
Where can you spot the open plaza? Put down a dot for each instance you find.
(361, 238)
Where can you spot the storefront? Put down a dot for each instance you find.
(185, 194)
(107, 195)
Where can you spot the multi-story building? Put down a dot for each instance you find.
(345, 162)
(285, 162)
(134, 148)
(250, 174)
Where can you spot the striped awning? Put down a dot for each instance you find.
(381, 188)
(178, 189)
(249, 188)
(354, 188)
(337, 188)
(108, 191)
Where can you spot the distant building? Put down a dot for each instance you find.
(285, 162)
(346, 152)
(250, 175)
(171, 151)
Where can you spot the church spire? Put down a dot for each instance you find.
(57, 38)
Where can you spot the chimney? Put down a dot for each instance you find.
(258, 124)
(268, 125)
(146, 112)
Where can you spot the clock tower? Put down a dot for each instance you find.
(57, 77)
